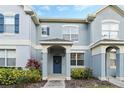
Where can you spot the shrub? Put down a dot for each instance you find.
(81, 73)
(15, 76)
(33, 64)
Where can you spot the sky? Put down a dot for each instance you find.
(65, 11)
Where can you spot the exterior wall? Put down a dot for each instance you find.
(23, 54)
(56, 32)
(96, 28)
(96, 65)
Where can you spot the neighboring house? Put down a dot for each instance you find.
(96, 42)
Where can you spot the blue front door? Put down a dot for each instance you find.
(57, 60)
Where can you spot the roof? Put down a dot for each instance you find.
(62, 20)
(56, 41)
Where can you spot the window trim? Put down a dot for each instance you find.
(110, 22)
(77, 60)
(5, 52)
(70, 32)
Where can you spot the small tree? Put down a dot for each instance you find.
(33, 64)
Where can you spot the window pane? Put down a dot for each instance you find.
(73, 56)
(66, 36)
(80, 62)
(73, 59)
(105, 34)
(114, 27)
(74, 37)
(11, 53)
(74, 30)
(80, 56)
(9, 28)
(2, 61)
(80, 59)
(105, 26)
(113, 35)
(9, 20)
(2, 53)
(11, 61)
(73, 62)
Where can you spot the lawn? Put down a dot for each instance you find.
(90, 83)
(26, 85)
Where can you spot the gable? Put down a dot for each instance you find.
(114, 8)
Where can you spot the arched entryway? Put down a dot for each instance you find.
(112, 61)
(56, 60)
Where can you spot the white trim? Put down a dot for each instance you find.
(44, 78)
(70, 25)
(110, 20)
(79, 47)
(77, 51)
(120, 78)
(68, 78)
(55, 42)
(14, 42)
(9, 34)
(77, 67)
(7, 47)
(103, 78)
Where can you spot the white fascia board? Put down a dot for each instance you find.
(55, 42)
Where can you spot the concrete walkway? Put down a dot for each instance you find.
(55, 84)
(116, 82)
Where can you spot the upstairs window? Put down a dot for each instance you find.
(110, 29)
(9, 26)
(71, 33)
(9, 23)
(45, 31)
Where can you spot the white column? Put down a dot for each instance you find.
(68, 67)
(44, 64)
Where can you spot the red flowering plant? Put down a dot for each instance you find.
(33, 64)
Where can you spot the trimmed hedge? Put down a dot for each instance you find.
(9, 76)
(81, 73)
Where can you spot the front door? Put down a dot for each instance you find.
(57, 60)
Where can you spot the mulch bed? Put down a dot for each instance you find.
(90, 83)
(26, 85)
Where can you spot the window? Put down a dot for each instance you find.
(9, 25)
(7, 57)
(45, 31)
(70, 33)
(110, 30)
(77, 59)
